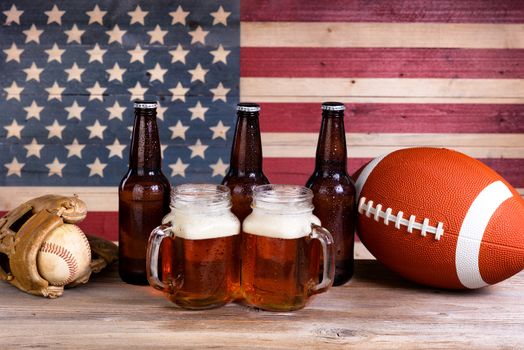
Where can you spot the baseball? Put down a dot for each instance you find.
(64, 256)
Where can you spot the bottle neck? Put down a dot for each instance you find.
(246, 154)
(145, 143)
(331, 148)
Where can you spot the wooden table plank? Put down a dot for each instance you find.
(375, 309)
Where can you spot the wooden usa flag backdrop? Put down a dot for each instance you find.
(412, 73)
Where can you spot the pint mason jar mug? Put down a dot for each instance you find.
(202, 266)
(280, 265)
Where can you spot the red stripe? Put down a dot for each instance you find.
(392, 118)
(453, 11)
(297, 170)
(381, 63)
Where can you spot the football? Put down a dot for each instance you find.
(440, 218)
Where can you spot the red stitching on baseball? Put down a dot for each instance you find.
(86, 241)
(72, 265)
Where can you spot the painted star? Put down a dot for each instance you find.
(54, 15)
(14, 168)
(13, 53)
(55, 130)
(219, 168)
(137, 54)
(179, 92)
(198, 149)
(219, 131)
(179, 130)
(137, 92)
(74, 149)
(137, 16)
(96, 15)
(33, 72)
(96, 130)
(74, 111)
(14, 130)
(160, 112)
(220, 55)
(74, 73)
(116, 111)
(115, 34)
(55, 91)
(33, 111)
(33, 149)
(179, 54)
(179, 16)
(178, 168)
(219, 93)
(157, 73)
(198, 35)
(74, 34)
(220, 16)
(116, 73)
(198, 112)
(96, 92)
(157, 35)
(96, 168)
(116, 149)
(13, 91)
(13, 15)
(198, 73)
(54, 54)
(55, 168)
(162, 149)
(32, 34)
(96, 54)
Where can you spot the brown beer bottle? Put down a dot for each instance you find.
(334, 190)
(245, 170)
(143, 193)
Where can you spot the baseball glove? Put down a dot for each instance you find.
(24, 229)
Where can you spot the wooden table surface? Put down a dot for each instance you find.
(376, 309)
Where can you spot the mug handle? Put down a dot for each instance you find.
(328, 252)
(153, 250)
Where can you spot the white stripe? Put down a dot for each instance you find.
(96, 198)
(254, 88)
(371, 145)
(380, 99)
(472, 231)
(371, 34)
(362, 178)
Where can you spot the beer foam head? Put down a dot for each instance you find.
(203, 225)
(281, 211)
(202, 211)
(278, 225)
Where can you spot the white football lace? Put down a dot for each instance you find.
(411, 223)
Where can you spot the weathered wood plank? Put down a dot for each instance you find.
(257, 88)
(376, 309)
(360, 145)
(350, 34)
(381, 63)
(398, 118)
(464, 11)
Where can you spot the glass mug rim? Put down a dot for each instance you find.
(283, 199)
(202, 196)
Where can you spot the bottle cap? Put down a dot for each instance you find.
(248, 107)
(146, 104)
(333, 106)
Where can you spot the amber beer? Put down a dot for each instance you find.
(279, 266)
(143, 195)
(245, 170)
(204, 269)
(334, 189)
